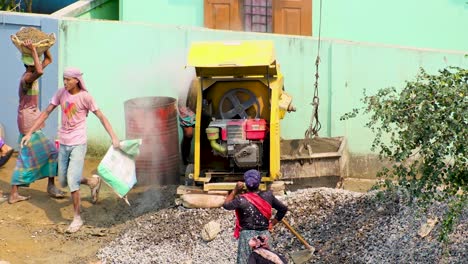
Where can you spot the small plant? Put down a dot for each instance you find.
(423, 131)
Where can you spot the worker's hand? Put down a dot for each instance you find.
(28, 44)
(239, 187)
(272, 224)
(274, 221)
(25, 140)
(116, 143)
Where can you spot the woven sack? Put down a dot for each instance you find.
(117, 167)
(41, 45)
(195, 200)
(210, 231)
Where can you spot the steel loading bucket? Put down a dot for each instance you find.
(154, 120)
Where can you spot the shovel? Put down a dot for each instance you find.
(301, 256)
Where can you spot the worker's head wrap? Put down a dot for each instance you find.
(27, 60)
(259, 242)
(72, 72)
(252, 179)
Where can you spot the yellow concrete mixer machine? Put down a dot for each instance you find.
(240, 102)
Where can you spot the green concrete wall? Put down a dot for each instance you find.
(420, 23)
(371, 67)
(121, 61)
(417, 23)
(108, 10)
(167, 12)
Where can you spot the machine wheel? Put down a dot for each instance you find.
(189, 174)
(233, 100)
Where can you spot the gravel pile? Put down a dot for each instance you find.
(346, 227)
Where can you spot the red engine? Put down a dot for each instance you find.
(241, 140)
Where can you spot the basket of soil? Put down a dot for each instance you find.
(42, 41)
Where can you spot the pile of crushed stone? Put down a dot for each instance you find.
(345, 227)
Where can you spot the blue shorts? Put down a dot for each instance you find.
(70, 165)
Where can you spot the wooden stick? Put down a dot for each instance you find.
(288, 226)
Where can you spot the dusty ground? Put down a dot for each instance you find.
(33, 231)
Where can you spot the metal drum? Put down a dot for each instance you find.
(154, 120)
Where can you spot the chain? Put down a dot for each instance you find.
(315, 125)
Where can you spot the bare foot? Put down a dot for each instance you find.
(95, 187)
(75, 225)
(18, 198)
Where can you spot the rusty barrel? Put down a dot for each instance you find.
(154, 120)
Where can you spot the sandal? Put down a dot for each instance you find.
(55, 192)
(95, 189)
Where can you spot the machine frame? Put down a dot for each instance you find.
(244, 61)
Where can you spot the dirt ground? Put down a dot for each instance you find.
(33, 231)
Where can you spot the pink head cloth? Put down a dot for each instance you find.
(72, 72)
(260, 241)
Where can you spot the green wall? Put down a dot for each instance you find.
(121, 61)
(436, 24)
(371, 67)
(108, 10)
(167, 12)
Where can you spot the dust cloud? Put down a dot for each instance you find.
(154, 119)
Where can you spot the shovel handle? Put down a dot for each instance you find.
(288, 226)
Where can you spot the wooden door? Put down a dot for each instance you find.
(292, 17)
(222, 14)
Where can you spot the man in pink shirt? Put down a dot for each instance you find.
(75, 102)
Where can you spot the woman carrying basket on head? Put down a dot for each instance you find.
(38, 160)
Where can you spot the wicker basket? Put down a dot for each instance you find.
(41, 46)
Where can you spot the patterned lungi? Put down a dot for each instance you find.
(35, 161)
(243, 248)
